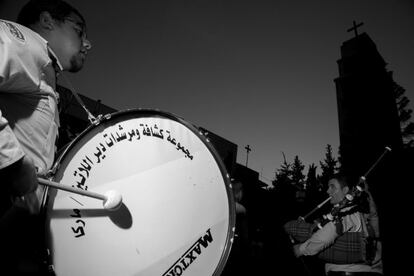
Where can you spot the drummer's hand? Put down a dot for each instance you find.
(22, 176)
(315, 226)
(296, 250)
(23, 184)
(29, 202)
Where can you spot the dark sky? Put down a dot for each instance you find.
(252, 71)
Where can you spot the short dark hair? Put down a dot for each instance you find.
(58, 9)
(345, 180)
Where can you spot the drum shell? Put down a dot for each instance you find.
(164, 184)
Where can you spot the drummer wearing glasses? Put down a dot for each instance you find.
(50, 37)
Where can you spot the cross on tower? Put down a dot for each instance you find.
(248, 149)
(355, 27)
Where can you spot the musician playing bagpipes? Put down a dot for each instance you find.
(346, 239)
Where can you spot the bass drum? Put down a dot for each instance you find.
(177, 215)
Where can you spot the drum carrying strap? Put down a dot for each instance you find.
(92, 119)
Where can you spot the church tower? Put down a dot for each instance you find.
(368, 123)
(367, 111)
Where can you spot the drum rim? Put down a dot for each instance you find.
(198, 132)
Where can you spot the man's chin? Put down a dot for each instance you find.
(76, 65)
(75, 69)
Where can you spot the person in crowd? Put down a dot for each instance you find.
(348, 240)
(49, 37)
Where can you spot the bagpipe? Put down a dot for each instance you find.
(349, 247)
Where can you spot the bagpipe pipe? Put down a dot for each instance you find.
(350, 247)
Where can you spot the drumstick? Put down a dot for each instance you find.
(112, 200)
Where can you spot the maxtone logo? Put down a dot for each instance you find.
(190, 255)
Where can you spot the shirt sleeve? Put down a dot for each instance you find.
(319, 240)
(10, 149)
(326, 236)
(3, 55)
(21, 56)
(6, 58)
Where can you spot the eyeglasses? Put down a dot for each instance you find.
(79, 27)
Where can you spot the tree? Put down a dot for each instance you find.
(284, 174)
(283, 194)
(404, 114)
(329, 167)
(312, 183)
(298, 178)
(314, 192)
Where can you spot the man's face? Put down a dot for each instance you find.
(335, 191)
(70, 44)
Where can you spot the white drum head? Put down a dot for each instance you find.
(177, 216)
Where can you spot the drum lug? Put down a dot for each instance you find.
(52, 171)
(51, 270)
(50, 267)
(97, 120)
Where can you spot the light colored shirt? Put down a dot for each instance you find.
(29, 118)
(326, 236)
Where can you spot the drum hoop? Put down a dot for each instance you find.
(199, 134)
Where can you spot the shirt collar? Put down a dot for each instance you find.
(55, 61)
(56, 64)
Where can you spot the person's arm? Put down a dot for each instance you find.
(317, 242)
(10, 149)
(326, 236)
(16, 169)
